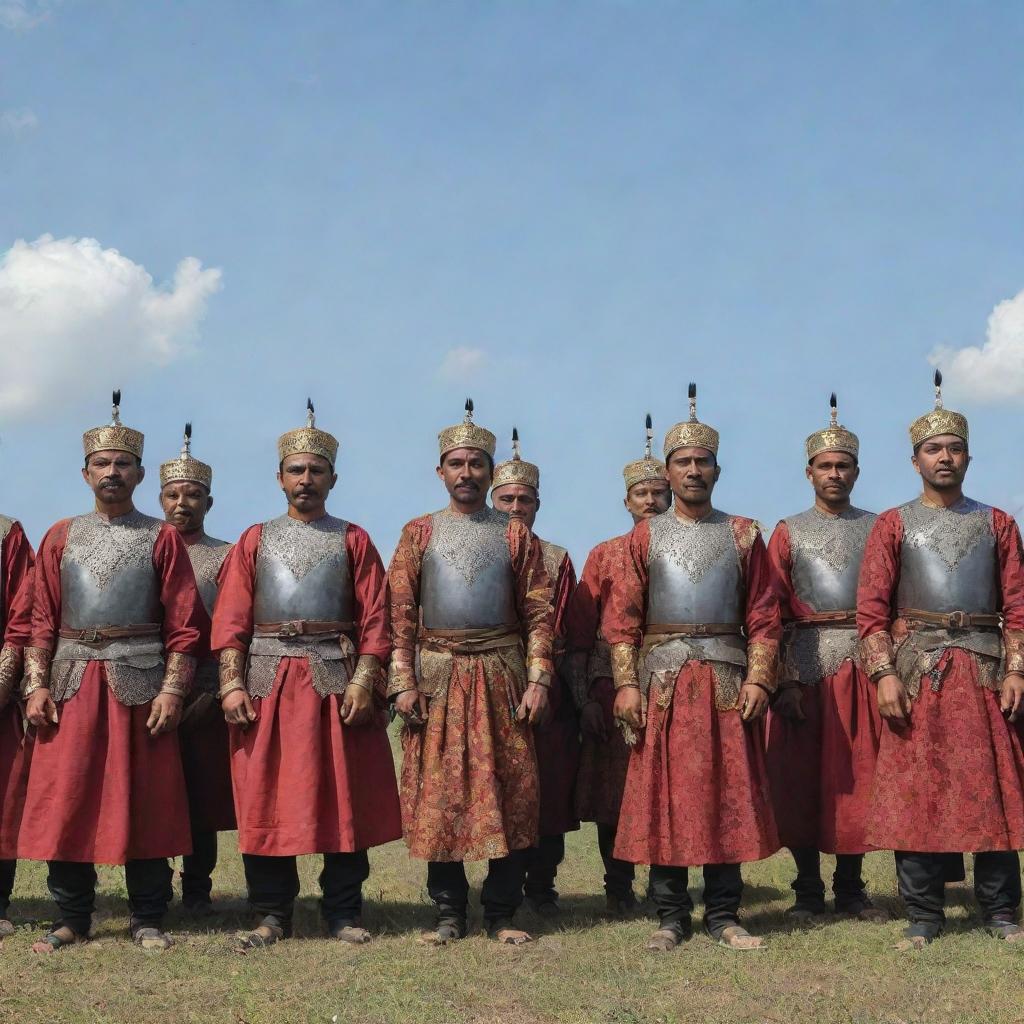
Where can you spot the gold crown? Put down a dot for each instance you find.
(691, 433)
(308, 439)
(938, 421)
(466, 435)
(834, 438)
(516, 470)
(114, 436)
(185, 467)
(647, 468)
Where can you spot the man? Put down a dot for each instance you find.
(185, 498)
(16, 560)
(301, 629)
(694, 596)
(515, 490)
(116, 623)
(940, 611)
(604, 757)
(468, 590)
(823, 727)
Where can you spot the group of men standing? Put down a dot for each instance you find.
(705, 698)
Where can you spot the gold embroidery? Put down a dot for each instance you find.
(763, 664)
(878, 655)
(10, 671)
(368, 673)
(37, 670)
(624, 665)
(179, 674)
(401, 676)
(1013, 642)
(232, 672)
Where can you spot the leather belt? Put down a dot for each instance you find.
(301, 627)
(693, 629)
(106, 634)
(949, 620)
(840, 620)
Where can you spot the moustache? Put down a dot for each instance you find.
(472, 484)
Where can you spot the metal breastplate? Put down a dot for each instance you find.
(826, 552)
(302, 571)
(466, 576)
(693, 571)
(207, 556)
(106, 572)
(948, 558)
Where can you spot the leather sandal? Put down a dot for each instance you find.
(502, 932)
(271, 934)
(55, 942)
(916, 937)
(734, 936)
(449, 929)
(152, 939)
(350, 932)
(1007, 931)
(664, 940)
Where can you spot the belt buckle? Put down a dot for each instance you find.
(90, 636)
(290, 629)
(701, 630)
(958, 620)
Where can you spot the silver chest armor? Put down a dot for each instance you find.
(694, 573)
(826, 555)
(948, 559)
(302, 572)
(207, 556)
(466, 576)
(106, 572)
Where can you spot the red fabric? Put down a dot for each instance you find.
(603, 765)
(952, 779)
(304, 782)
(16, 561)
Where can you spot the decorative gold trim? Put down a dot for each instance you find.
(763, 664)
(833, 439)
(368, 671)
(625, 665)
(516, 471)
(231, 669)
(540, 671)
(641, 470)
(37, 670)
(10, 671)
(179, 674)
(308, 439)
(877, 654)
(1013, 644)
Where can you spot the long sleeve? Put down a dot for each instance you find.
(1011, 579)
(763, 622)
(565, 586)
(534, 602)
(780, 565)
(622, 613)
(373, 634)
(232, 626)
(583, 615)
(184, 614)
(403, 599)
(18, 559)
(879, 573)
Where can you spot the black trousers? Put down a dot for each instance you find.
(847, 882)
(723, 890)
(922, 879)
(72, 886)
(618, 874)
(542, 867)
(273, 884)
(197, 867)
(502, 891)
(7, 870)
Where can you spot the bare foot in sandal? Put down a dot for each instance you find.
(352, 934)
(152, 939)
(511, 936)
(1007, 931)
(737, 937)
(260, 937)
(57, 939)
(911, 944)
(664, 940)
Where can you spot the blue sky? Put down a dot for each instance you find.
(593, 203)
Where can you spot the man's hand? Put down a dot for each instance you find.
(238, 709)
(164, 713)
(39, 709)
(893, 702)
(534, 707)
(787, 704)
(629, 707)
(1013, 695)
(356, 705)
(412, 706)
(592, 721)
(752, 701)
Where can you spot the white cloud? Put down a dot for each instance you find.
(461, 362)
(21, 15)
(72, 313)
(18, 122)
(993, 372)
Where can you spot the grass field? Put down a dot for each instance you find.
(582, 969)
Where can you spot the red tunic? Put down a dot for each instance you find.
(101, 789)
(16, 560)
(303, 781)
(697, 789)
(821, 769)
(952, 779)
(603, 764)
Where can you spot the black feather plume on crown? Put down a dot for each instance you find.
(469, 405)
(832, 401)
(515, 434)
(117, 396)
(938, 378)
(188, 431)
(648, 423)
(309, 405)
(691, 391)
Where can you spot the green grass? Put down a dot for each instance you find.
(584, 969)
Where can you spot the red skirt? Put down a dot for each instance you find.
(603, 765)
(15, 758)
(697, 790)
(306, 783)
(206, 758)
(821, 770)
(952, 780)
(101, 790)
(558, 756)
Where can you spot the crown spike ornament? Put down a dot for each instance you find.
(691, 433)
(834, 438)
(939, 421)
(185, 468)
(114, 436)
(466, 435)
(516, 470)
(647, 468)
(308, 440)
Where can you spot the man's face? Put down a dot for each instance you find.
(942, 461)
(113, 476)
(832, 475)
(520, 501)
(306, 480)
(692, 475)
(647, 498)
(185, 504)
(466, 474)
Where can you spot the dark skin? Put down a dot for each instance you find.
(692, 474)
(185, 504)
(466, 475)
(112, 476)
(942, 464)
(520, 501)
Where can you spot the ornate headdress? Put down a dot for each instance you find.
(647, 468)
(516, 470)
(692, 433)
(834, 438)
(466, 435)
(308, 439)
(938, 421)
(185, 467)
(114, 436)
